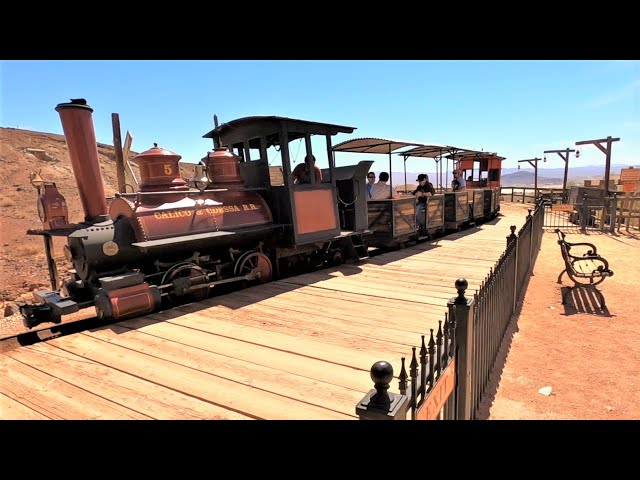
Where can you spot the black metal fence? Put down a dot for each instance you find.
(423, 377)
(468, 343)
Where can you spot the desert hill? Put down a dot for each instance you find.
(22, 260)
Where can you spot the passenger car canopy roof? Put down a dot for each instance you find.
(373, 145)
(429, 151)
(475, 155)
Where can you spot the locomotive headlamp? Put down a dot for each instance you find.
(199, 179)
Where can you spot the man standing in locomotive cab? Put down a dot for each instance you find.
(301, 172)
(425, 189)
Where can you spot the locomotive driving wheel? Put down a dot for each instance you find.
(256, 262)
(184, 276)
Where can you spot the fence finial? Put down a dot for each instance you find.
(378, 404)
(529, 210)
(402, 379)
(461, 286)
(381, 374)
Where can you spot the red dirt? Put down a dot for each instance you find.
(590, 358)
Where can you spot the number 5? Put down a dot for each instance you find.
(167, 169)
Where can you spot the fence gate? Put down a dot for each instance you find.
(579, 216)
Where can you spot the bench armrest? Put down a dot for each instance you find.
(592, 252)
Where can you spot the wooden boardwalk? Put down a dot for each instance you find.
(298, 348)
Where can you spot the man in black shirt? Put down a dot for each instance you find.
(424, 190)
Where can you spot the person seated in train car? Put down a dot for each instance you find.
(371, 179)
(461, 179)
(458, 183)
(425, 189)
(455, 183)
(301, 172)
(381, 190)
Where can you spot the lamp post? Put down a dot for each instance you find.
(534, 163)
(607, 151)
(564, 157)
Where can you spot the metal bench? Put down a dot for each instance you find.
(586, 271)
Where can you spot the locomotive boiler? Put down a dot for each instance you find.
(166, 242)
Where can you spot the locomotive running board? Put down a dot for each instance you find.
(167, 242)
(184, 238)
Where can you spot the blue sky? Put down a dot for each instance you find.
(515, 108)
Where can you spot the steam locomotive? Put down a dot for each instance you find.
(233, 222)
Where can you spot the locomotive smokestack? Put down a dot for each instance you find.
(83, 151)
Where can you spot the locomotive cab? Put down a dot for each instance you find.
(306, 206)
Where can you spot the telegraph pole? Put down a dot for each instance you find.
(607, 151)
(534, 163)
(564, 157)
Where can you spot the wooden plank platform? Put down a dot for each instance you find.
(298, 348)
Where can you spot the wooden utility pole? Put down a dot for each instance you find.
(117, 145)
(534, 163)
(607, 151)
(128, 140)
(564, 157)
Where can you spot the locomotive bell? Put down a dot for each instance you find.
(159, 170)
(199, 179)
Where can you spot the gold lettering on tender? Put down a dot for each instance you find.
(253, 207)
(199, 212)
(245, 207)
(157, 215)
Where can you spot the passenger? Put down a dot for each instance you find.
(301, 172)
(381, 190)
(458, 183)
(425, 189)
(463, 182)
(371, 179)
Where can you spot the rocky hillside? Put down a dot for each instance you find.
(22, 261)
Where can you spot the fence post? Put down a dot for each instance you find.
(461, 310)
(514, 238)
(530, 220)
(379, 404)
(613, 211)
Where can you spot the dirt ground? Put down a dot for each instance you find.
(589, 357)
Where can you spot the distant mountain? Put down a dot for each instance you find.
(575, 173)
(527, 178)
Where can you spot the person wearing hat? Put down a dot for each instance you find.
(425, 189)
